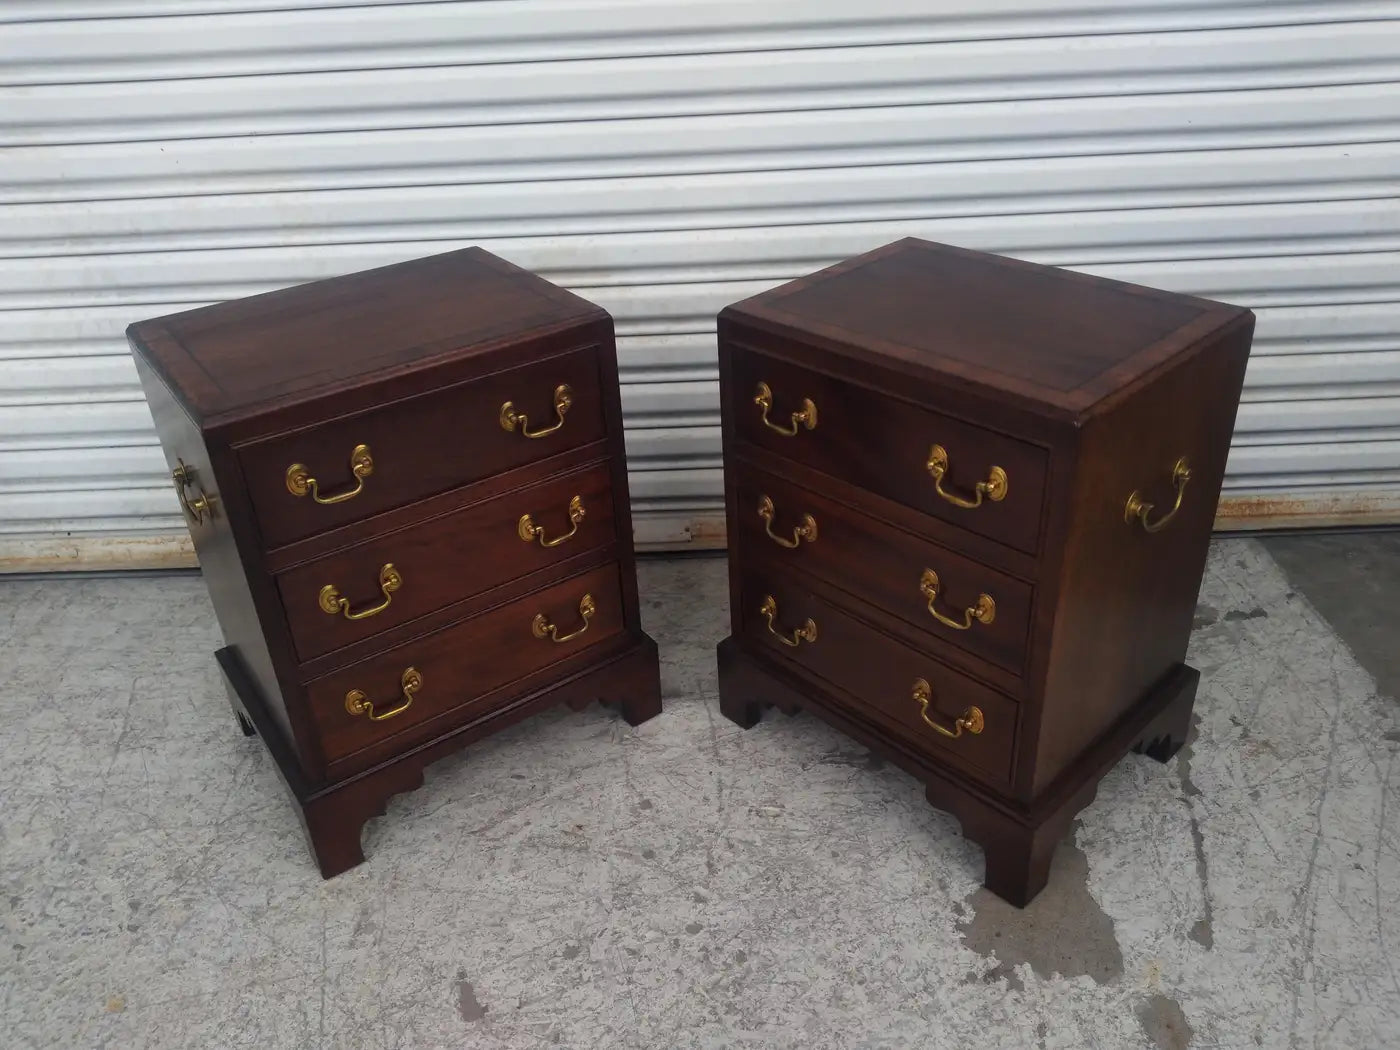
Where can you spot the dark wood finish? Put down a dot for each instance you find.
(461, 665)
(414, 360)
(881, 441)
(444, 559)
(883, 566)
(878, 673)
(333, 814)
(1098, 388)
(421, 446)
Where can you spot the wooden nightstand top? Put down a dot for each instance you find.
(313, 339)
(1043, 336)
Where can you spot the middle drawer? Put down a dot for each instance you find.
(378, 584)
(955, 600)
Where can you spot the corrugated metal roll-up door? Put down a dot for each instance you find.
(665, 159)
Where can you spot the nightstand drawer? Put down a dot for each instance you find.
(955, 600)
(372, 586)
(928, 704)
(403, 688)
(977, 479)
(355, 466)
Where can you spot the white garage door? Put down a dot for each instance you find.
(664, 159)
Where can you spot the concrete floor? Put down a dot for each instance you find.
(576, 883)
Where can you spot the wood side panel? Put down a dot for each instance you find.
(220, 561)
(1126, 596)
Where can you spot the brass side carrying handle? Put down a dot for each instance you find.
(195, 509)
(300, 481)
(806, 531)
(994, 488)
(806, 633)
(985, 611)
(510, 418)
(763, 398)
(389, 581)
(528, 531)
(970, 720)
(540, 627)
(357, 703)
(1139, 509)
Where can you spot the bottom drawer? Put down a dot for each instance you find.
(367, 703)
(938, 710)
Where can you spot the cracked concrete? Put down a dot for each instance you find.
(572, 882)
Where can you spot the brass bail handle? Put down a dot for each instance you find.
(970, 720)
(806, 633)
(994, 488)
(984, 612)
(510, 418)
(333, 602)
(1138, 509)
(528, 531)
(300, 482)
(195, 509)
(541, 627)
(763, 398)
(806, 531)
(357, 703)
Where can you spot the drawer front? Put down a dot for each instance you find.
(373, 586)
(886, 445)
(347, 469)
(891, 679)
(443, 673)
(958, 602)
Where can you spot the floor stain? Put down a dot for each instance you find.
(1253, 614)
(1164, 1022)
(856, 759)
(571, 951)
(1203, 930)
(1393, 736)
(1063, 931)
(1205, 616)
(467, 1006)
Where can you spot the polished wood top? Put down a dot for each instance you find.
(318, 338)
(1039, 334)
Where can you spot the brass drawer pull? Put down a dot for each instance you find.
(300, 481)
(529, 531)
(806, 531)
(1137, 508)
(994, 488)
(970, 720)
(356, 703)
(763, 398)
(510, 418)
(806, 633)
(542, 628)
(195, 508)
(389, 581)
(985, 611)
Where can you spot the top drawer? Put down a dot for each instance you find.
(350, 468)
(977, 479)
